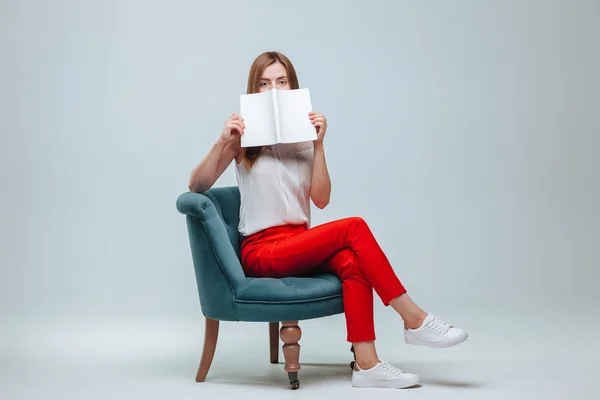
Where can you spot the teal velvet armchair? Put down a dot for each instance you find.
(226, 294)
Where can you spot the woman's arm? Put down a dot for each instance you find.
(226, 148)
(320, 189)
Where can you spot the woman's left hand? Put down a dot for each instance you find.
(320, 123)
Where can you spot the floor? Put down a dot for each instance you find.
(505, 358)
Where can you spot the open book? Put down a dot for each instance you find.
(276, 116)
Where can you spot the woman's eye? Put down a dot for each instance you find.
(282, 82)
(263, 83)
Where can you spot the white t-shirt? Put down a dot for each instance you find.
(276, 190)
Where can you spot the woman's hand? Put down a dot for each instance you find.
(320, 123)
(234, 127)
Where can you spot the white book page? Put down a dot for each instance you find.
(259, 117)
(294, 122)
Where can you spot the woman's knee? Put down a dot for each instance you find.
(359, 226)
(357, 220)
(355, 223)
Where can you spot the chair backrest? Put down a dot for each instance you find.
(212, 221)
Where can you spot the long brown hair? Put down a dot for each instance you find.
(254, 77)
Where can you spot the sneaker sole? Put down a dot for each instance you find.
(391, 384)
(438, 345)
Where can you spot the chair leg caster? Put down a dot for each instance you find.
(294, 382)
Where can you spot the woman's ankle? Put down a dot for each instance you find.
(367, 363)
(365, 354)
(414, 321)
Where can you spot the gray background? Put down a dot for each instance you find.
(466, 133)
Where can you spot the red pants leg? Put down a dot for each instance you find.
(358, 295)
(346, 247)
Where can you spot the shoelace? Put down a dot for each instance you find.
(390, 368)
(437, 325)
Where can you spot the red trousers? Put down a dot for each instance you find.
(344, 247)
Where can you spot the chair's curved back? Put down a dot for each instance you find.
(212, 221)
(227, 202)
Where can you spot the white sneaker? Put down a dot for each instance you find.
(383, 375)
(435, 332)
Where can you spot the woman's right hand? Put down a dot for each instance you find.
(234, 128)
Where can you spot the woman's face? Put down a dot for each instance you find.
(274, 77)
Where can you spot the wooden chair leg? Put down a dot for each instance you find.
(274, 341)
(290, 334)
(211, 333)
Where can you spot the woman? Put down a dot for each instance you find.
(277, 184)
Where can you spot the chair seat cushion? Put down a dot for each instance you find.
(290, 289)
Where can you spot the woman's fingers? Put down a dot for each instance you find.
(237, 119)
(236, 126)
(314, 116)
(240, 127)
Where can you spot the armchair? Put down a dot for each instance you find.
(226, 294)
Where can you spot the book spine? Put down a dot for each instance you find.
(276, 113)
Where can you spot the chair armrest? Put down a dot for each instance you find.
(197, 205)
(211, 243)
